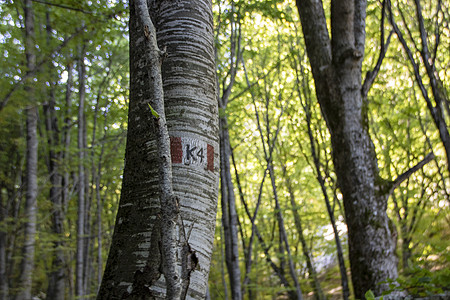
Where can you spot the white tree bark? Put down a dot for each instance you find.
(139, 247)
(27, 264)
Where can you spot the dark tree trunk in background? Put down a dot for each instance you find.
(228, 199)
(336, 66)
(4, 287)
(321, 180)
(56, 285)
(315, 283)
(80, 256)
(135, 266)
(66, 136)
(282, 231)
(27, 263)
(229, 214)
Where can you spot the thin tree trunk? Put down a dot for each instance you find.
(99, 211)
(57, 276)
(306, 104)
(268, 156)
(13, 205)
(88, 240)
(80, 258)
(315, 283)
(229, 215)
(10, 191)
(278, 212)
(66, 137)
(27, 264)
(96, 173)
(222, 267)
(4, 287)
(284, 237)
(99, 231)
(56, 286)
(320, 179)
(291, 293)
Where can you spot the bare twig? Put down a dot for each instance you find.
(64, 6)
(371, 75)
(409, 172)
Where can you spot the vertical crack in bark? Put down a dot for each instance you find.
(189, 261)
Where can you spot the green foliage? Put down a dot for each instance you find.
(154, 113)
(421, 282)
(369, 295)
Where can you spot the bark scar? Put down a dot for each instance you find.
(189, 260)
(147, 32)
(145, 277)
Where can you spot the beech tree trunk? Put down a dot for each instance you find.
(80, 257)
(229, 214)
(315, 283)
(282, 230)
(228, 199)
(135, 265)
(56, 285)
(56, 288)
(4, 287)
(27, 263)
(336, 66)
(66, 136)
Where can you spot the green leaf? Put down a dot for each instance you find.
(154, 113)
(369, 295)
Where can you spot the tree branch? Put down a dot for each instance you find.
(371, 75)
(435, 111)
(38, 67)
(63, 6)
(408, 173)
(93, 13)
(413, 62)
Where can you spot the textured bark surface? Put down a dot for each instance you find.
(135, 265)
(336, 66)
(27, 263)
